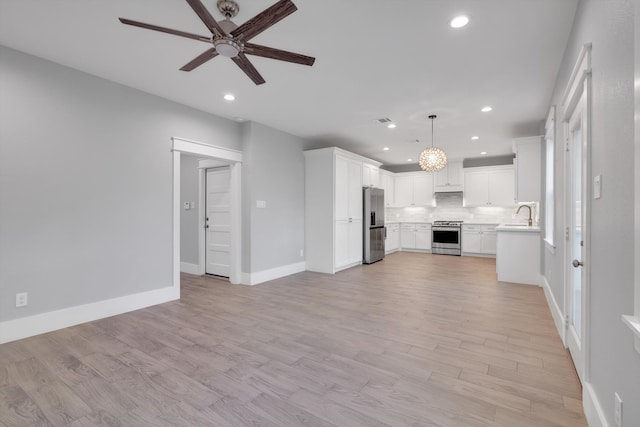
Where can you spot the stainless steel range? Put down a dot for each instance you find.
(446, 238)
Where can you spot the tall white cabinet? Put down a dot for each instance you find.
(333, 209)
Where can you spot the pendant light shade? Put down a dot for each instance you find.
(432, 158)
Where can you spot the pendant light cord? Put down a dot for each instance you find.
(432, 117)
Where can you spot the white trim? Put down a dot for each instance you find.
(207, 150)
(592, 409)
(24, 327)
(636, 180)
(187, 267)
(202, 213)
(176, 221)
(633, 322)
(235, 186)
(273, 273)
(550, 246)
(211, 164)
(556, 311)
(582, 67)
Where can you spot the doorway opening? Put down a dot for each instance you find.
(217, 156)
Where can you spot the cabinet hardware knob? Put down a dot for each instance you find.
(577, 263)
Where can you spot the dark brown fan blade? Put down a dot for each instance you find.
(245, 65)
(206, 17)
(264, 20)
(282, 55)
(165, 30)
(200, 59)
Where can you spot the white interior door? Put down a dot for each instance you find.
(576, 220)
(218, 222)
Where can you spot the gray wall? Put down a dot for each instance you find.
(86, 184)
(614, 366)
(189, 219)
(273, 172)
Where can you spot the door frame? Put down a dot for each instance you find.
(579, 86)
(234, 159)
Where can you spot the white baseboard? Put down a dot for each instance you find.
(24, 327)
(556, 312)
(272, 274)
(592, 408)
(187, 267)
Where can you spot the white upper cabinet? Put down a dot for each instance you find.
(450, 178)
(387, 182)
(528, 168)
(414, 189)
(489, 186)
(370, 175)
(348, 188)
(423, 189)
(404, 190)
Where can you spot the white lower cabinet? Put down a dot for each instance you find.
(518, 259)
(479, 239)
(348, 249)
(415, 236)
(392, 243)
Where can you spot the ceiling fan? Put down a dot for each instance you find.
(231, 40)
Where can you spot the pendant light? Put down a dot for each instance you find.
(432, 159)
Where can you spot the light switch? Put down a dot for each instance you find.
(597, 186)
(261, 204)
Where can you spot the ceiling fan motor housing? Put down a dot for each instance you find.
(228, 8)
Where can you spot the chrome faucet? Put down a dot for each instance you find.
(530, 221)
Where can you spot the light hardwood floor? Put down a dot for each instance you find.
(413, 340)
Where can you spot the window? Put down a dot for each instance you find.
(549, 200)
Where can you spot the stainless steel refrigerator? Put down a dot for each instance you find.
(373, 219)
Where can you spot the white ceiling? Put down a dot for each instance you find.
(374, 58)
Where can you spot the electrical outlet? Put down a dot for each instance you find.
(617, 410)
(186, 206)
(21, 299)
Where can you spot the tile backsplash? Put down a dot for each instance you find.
(453, 210)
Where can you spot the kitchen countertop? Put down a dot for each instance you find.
(480, 222)
(511, 227)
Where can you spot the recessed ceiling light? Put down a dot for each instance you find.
(459, 21)
(475, 137)
(386, 148)
(229, 97)
(239, 119)
(483, 153)
(409, 160)
(391, 125)
(486, 109)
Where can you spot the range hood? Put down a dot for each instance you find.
(449, 198)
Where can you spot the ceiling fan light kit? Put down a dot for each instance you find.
(231, 40)
(432, 158)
